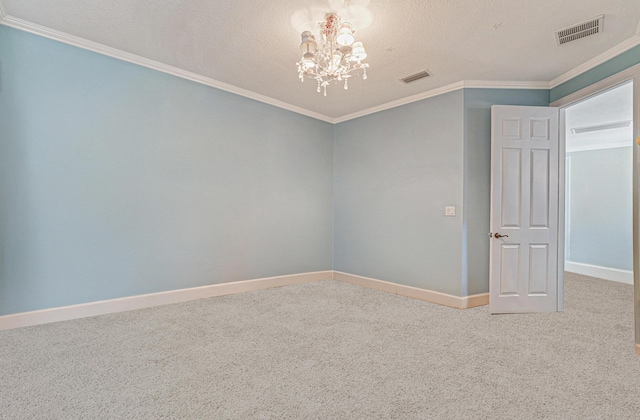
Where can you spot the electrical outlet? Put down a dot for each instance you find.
(450, 211)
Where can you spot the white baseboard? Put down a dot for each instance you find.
(83, 310)
(104, 307)
(607, 273)
(414, 292)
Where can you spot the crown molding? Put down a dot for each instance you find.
(491, 84)
(469, 84)
(399, 102)
(46, 32)
(597, 60)
(76, 41)
(79, 42)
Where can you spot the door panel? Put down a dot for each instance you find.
(524, 209)
(538, 269)
(539, 201)
(509, 270)
(511, 188)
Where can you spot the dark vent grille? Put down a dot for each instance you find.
(415, 77)
(581, 30)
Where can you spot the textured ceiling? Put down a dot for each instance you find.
(254, 44)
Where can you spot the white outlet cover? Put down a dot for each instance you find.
(450, 211)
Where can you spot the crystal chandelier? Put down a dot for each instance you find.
(336, 59)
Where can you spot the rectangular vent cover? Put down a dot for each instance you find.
(581, 30)
(416, 76)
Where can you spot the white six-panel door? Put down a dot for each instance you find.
(524, 209)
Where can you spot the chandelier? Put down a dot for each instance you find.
(336, 59)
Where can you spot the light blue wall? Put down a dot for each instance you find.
(477, 176)
(600, 205)
(117, 180)
(395, 171)
(615, 65)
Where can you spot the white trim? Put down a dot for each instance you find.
(567, 205)
(469, 84)
(561, 233)
(602, 146)
(46, 32)
(414, 292)
(596, 61)
(495, 84)
(103, 307)
(79, 42)
(399, 102)
(598, 87)
(607, 273)
(636, 204)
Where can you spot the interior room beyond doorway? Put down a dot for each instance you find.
(598, 186)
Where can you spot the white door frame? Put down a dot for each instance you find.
(630, 74)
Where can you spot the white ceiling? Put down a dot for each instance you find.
(251, 46)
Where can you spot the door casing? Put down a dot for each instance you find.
(630, 74)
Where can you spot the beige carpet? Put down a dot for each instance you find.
(330, 350)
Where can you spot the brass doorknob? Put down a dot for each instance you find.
(498, 236)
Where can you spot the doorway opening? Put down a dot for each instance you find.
(599, 185)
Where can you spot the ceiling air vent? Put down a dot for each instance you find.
(415, 77)
(581, 30)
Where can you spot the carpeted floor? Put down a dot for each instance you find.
(330, 350)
